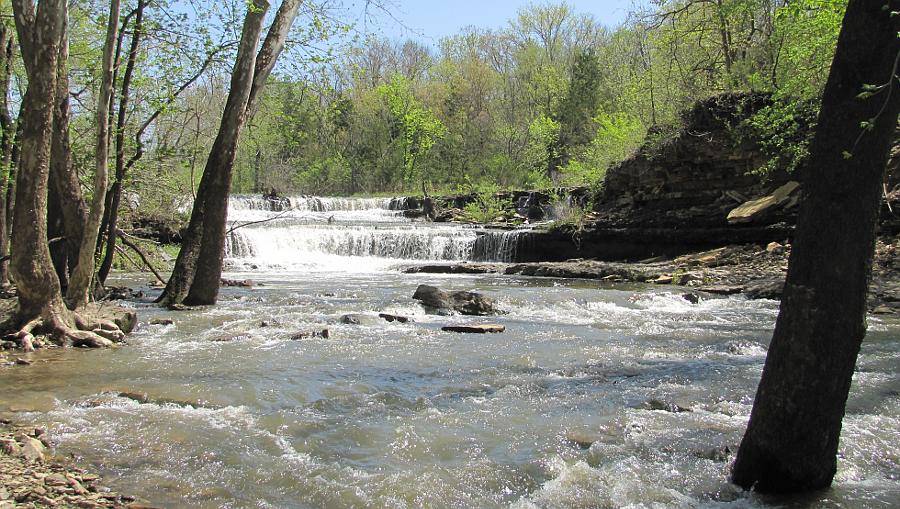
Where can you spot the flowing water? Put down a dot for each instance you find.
(238, 414)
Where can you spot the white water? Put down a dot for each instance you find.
(359, 234)
(409, 416)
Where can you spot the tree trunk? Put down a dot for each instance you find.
(40, 301)
(216, 177)
(116, 190)
(39, 292)
(205, 285)
(66, 189)
(78, 293)
(792, 437)
(7, 136)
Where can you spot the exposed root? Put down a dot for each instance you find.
(71, 329)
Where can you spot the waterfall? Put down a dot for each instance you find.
(311, 232)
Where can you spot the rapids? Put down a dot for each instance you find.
(556, 412)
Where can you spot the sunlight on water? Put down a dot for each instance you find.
(597, 395)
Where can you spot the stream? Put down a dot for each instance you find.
(597, 394)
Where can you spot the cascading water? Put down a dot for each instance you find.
(316, 232)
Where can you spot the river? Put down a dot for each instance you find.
(597, 395)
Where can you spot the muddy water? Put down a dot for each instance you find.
(237, 414)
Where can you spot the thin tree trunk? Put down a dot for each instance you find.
(79, 287)
(7, 136)
(204, 288)
(216, 178)
(116, 190)
(792, 438)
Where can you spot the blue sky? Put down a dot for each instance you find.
(428, 21)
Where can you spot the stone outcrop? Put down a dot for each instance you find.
(698, 173)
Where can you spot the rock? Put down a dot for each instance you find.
(180, 307)
(474, 329)
(663, 280)
(56, 479)
(467, 303)
(693, 298)
(883, 310)
(581, 440)
(765, 288)
(162, 321)
(393, 318)
(32, 450)
(432, 297)
(754, 210)
(359, 319)
(774, 248)
(324, 333)
(24, 362)
(655, 404)
(243, 283)
(10, 447)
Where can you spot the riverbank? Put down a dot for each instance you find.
(752, 270)
(30, 476)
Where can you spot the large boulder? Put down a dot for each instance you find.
(754, 210)
(463, 302)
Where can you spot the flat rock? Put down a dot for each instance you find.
(754, 210)
(32, 449)
(474, 329)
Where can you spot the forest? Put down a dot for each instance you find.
(551, 99)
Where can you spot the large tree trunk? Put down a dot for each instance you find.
(66, 189)
(216, 180)
(78, 293)
(792, 437)
(204, 287)
(40, 301)
(115, 192)
(7, 136)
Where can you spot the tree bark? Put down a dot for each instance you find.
(7, 137)
(39, 291)
(792, 438)
(116, 189)
(66, 189)
(204, 287)
(216, 178)
(78, 293)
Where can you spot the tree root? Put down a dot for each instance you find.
(86, 332)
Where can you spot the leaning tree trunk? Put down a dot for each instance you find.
(216, 178)
(78, 293)
(792, 437)
(41, 306)
(205, 285)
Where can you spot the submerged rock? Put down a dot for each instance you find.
(655, 404)
(393, 318)
(474, 329)
(324, 333)
(359, 319)
(467, 303)
(162, 321)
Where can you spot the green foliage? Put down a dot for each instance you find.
(784, 131)
(618, 136)
(417, 128)
(487, 205)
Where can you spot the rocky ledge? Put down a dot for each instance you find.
(30, 477)
(753, 270)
